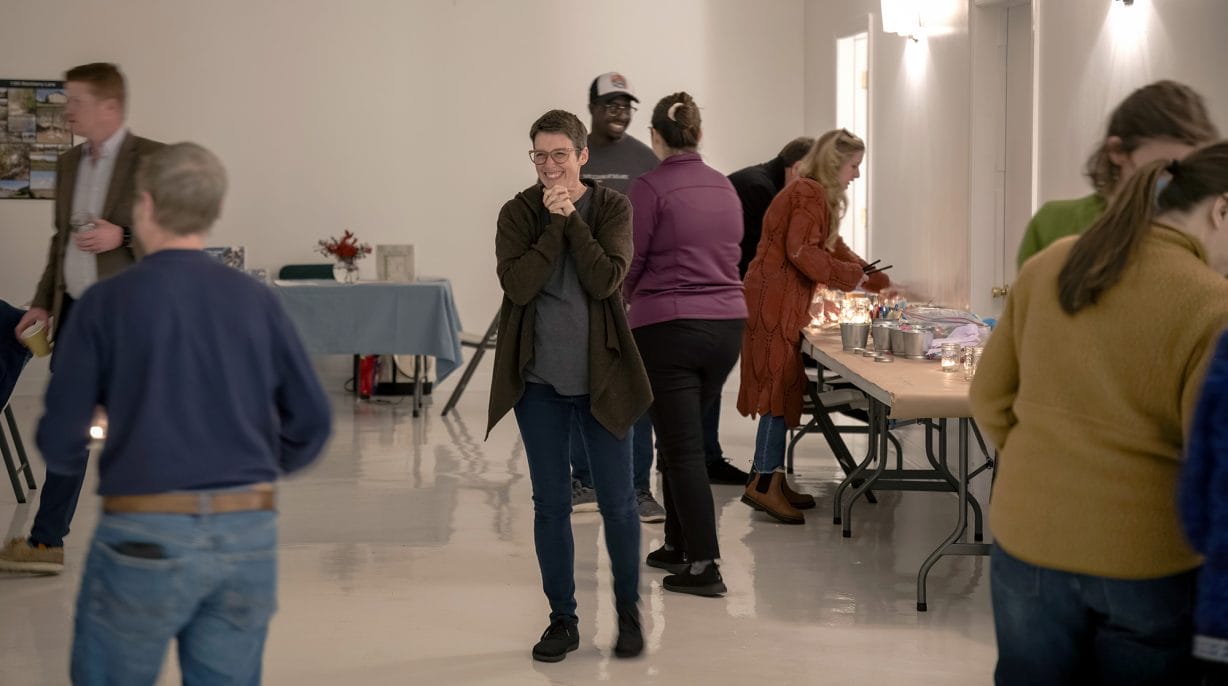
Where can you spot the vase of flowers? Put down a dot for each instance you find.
(346, 251)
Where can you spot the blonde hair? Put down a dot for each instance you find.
(823, 163)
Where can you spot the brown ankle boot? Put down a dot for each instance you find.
(801, 501)
(764, 493)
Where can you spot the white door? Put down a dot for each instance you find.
(1002, 148)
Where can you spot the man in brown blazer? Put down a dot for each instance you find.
(93, 240)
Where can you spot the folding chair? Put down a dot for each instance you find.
(13, 358)
(479, 345)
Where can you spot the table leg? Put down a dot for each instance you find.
(417, 385)
(877, 440)
(952, 546)
(856, 474)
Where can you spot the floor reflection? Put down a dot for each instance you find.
(407, 557)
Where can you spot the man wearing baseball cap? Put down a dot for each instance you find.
(615, 159)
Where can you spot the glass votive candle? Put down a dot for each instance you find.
(950, 357)
(972, 359)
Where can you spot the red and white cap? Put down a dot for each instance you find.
(609, 84)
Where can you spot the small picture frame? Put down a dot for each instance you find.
(395, 263)
(232, 256)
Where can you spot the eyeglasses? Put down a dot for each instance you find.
(616, 108)
(559, 156)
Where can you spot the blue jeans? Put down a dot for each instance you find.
(770, 444)
(641, 455)
(1058, 627)
(208, 581)
(544, 418)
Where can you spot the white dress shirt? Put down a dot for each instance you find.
(89, 195)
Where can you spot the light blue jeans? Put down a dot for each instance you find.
(208, 581)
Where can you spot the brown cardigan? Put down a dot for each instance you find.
(618, 385)
(117, 209)
(790, 262)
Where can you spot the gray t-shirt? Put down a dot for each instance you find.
(560, 333)
(618, 164)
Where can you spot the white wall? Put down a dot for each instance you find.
(918, 146)
(403, 121)
(1092, 54)
(407, 121)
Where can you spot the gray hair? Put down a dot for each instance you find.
(186, 183)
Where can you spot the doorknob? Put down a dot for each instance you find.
(1000, 291)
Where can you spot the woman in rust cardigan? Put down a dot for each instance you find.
(799, 250)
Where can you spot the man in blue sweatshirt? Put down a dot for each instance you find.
(210, 398)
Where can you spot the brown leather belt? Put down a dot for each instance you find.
(261, 497)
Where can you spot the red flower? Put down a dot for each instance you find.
(347, 249)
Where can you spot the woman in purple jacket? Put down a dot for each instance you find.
(686, 312)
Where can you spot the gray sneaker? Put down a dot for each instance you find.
(583, 498)
(650, 511)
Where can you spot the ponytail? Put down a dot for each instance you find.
(1098, 259)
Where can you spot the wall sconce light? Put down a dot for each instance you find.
(1127, 3)
(903, 18)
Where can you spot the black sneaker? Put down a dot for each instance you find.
(560, 638)
(707, 583)
(673, 561)
(630, 634)
(723, 472)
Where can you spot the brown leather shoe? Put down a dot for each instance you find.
(764, 493)
(801, 501)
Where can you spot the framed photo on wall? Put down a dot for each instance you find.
(33, 133)
(232, 256)
(394, 263)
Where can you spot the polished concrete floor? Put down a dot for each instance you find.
(407, 557)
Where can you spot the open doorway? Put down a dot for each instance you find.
(853, 113)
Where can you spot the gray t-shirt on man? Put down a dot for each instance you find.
(560, 329)
(618, 164)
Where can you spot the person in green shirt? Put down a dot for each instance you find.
(1162, 120)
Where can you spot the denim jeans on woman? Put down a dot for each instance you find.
(1057, 627)
(545, 418)
(770, 444)
(641, 456)
(208, 581)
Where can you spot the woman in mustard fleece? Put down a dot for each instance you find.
(1163, 120)
(1087, 387)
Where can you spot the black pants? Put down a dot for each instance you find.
(687, 361)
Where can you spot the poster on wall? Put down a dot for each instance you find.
(33, 132)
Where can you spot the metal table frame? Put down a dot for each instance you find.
(937, 478)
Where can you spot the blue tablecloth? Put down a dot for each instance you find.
(376, 318)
